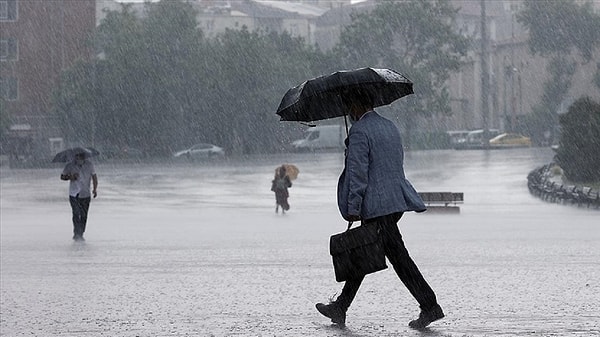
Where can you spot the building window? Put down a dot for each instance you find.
(8, 10)
(294, 30)
(3, 9)
(9, 88)
(8, 49)
(3, 50)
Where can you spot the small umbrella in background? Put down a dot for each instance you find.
(69, 154)
(290, 170)
(323, 97)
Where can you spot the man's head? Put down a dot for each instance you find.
(281, 171)
(357, 102)
(80, 157)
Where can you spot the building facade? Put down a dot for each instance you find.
(38, 40)
(516, 77)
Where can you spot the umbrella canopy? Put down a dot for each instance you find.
(290, 170)
(69, 154)
(323, 97)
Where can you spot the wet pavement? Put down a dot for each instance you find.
(197, 250)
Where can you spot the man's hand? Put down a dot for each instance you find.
(351, 217)
(94, 194)
(71, 176)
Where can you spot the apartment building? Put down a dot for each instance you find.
(38, 40)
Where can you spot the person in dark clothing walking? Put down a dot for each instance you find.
(280, 185)
(373, 189)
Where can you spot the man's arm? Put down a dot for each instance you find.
(94, 184)
(357, 169)
(68, 173)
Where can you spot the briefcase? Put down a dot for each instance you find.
(357, 252)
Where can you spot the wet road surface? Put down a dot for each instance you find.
(197, 250)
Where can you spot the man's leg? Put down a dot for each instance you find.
(336, 310)
(77, 211)
(409, 273)
(85, 206)
(348, 293)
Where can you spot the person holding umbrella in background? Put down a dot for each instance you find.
(80, 173)
(284, 175)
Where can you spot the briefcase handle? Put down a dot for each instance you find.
(349, 225)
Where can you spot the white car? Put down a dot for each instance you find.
(202, 150)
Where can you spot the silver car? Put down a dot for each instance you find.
(202, 150)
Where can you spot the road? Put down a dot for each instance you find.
(197, 250)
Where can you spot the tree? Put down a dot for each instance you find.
(416, 38)
(557, 30)
(161, 85)
(544, 116)
(559, 27)
(253, 72)
(141, 92)
(578, 153)
(92, 96)
(75, 103)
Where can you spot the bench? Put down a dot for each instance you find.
(584, 195)
(444, 201)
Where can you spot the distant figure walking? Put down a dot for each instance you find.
(280, 185)
(80, 172)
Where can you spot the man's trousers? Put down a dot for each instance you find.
(397, 254)
(80, 207)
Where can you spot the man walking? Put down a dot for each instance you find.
(79, 173)
(373, 188)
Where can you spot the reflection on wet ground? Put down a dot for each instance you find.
(197, 250)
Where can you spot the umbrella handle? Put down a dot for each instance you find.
(346, 123)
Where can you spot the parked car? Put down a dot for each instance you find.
(202, 150)
(321, 137)
(458, 136)
(510, 140)
(474, 139)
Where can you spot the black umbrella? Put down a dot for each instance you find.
(69, 154)
(323, 97)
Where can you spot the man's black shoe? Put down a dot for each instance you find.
(426, 317)
(332, 311)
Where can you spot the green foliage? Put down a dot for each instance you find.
(416, 38)
(558, 27)
(578, 153)
(252, 74)
(162, 85)
(556, 30)
(75, 102)
(544, 117)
